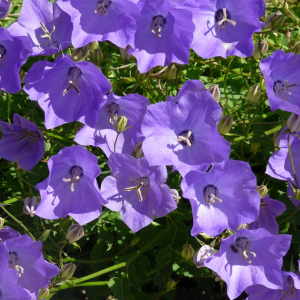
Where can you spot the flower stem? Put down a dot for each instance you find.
(292, 161)
(115, 144)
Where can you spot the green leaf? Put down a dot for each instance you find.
(120, 287)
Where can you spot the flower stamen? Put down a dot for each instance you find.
(242, 246)
(74, 82)
(144, 182)
(157, 25)
(283, 89)
(76, 173)
(102, 7)
(48, 33)
(222, 17)
(186, 137)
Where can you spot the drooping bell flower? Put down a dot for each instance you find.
(13, 54)
(137, 190)
(250, 257)
(268, 211)
(225, 28)
(9, 289)
(225, 197)
(71, 187)
(8, 233)
(102, 20)
(282, 80)
(67, 91)
(290, 290)
(25, 256)
(5, 8)
(45, 24)
(22, 142)
(184, 135)
(105, 135)
(164, 34)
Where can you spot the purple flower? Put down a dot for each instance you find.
(250, 257)
(104, 134)
(164, 34)
(25, 256)
(71, 187)
(269, 210)
(137, 190)
(48, 27)
(225, 28)
(102, 20)
(67, 91)
(190, 86)
(225, 197)
(9, 289)
(22, 142)
(282, 80)
(291, 195)
(185, 134)
(13, 54)
(5, 8)
(8, 233)
(290, 290)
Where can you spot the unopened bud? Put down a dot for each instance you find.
(253, 95)
(67, 271)
(274, 20)
(187, 252)
(97, 56)
(293, 123)
(6, 6)
(202, 254)
(296, 48)
(171, 72)
(171, 284)
(121, 124)
(138, 150)
(140, 77)
(43, 294)
(124, 53)
(260, 49)
(175, 195)
(275, 138)
(262, 190)
(1, 222)
(225, 124)
(93, 46)
(296, 194)
(254, 146)
(215, 92)
(30, 205)
(45, 234)
(75, 233)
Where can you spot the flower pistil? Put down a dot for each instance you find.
(144, 182)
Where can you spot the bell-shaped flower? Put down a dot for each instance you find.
(282, 80)
(5, 8)
(105, 135)
(268, 211)
(22, 142)
(102, 20)
(13, 54)
(9, 289)
(47, 27)
(67, 91)
(225, 197)
(137, 190)
(250, 257)
(71, 187)
(164, 34)
(184, 135)
(7, 233)
(25, 256)
(225, 28)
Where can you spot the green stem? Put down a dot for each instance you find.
(115, 144)
(252, 119)
(292, 161)
(19, 222)
(69, 284)
(86, 261)
(292, 214)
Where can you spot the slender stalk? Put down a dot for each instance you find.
(115, 144)
(292, 214)
(292, 161)
(69, 284)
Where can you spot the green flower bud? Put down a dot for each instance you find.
(296, 194)
(140, 77)
(121, 124)
(44, 293)
(67, 271)
(1, 222)
(187, 252)
(253, 95)
(171, 284)
(97, 56)
(124, 53)
(45, 234)
(225, 124)
(75, 233)
(293, 123)
(296, 48)
(260, 48)
(274, 21)
(254, 147)
(93, 46)
(171, 72)
(262, 190)
(215, 92)
(81, 54)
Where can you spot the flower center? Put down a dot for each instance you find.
(74, 82)
(2, 54)
(31, 136)
(112, 109)
(102, 7)
(186, 138)
(157, 25)
(211, 194)
(13, 263)
(282, 89)
(242, 246)
(76, 173)
(141, 188)
(47, 34)
(222, 17)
